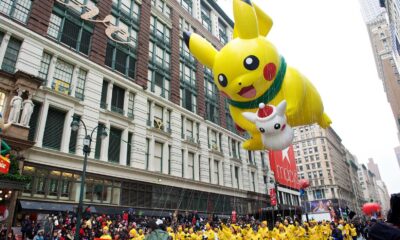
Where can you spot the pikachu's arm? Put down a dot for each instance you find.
(293, 88)
(240, 120)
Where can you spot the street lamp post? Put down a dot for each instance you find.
(87, 141)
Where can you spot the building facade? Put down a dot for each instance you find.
(393, 12)
(321, 158)
(368, 183)
(383, 195)
(373, 167)
(171, 142)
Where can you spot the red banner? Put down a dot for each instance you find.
(283, 164)
(4, 164)
(272, 194)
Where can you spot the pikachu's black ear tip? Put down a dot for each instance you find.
(248, 2)
(186, 37)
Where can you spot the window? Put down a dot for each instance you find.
(68, 28)
(206, 16)
(325, 156)
(11, 55)
(129, 149)
(253, 182)
(327, 164)
(191, 165)
(233, 146)
(212, 97)
(53, 131)
(117, 99)
(320, 173)
(147, 153)
(300, 168)
(127, 9)
(216, 172)
(2, 102)
(158, 156)
(114, 145)
(237, 176)
(189, 129)
(213, 140)
(103, 98)
(250, 155)
(318, 165)
(80, 85)
(44, 66)
(223, 38)
(159, 31)
(131, 101)
(169, 159)
(185, 54)
(308, 166)
(99, 141)
(158, 121)
(16, 9)
(187, 5)
(130, 28)
(188, 92)
(263, 164)
(162, 7)
(62, 77)
(159, 82)
(34, 121)
(73, 137)
(313, 165)
(121, 58)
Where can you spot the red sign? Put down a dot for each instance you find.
(4, 164)
(272, 194)
(283, 164)
(234, 216)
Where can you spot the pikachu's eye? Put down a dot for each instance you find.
(222, 80)
(251, 62)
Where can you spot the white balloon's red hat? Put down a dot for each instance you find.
(264, 110)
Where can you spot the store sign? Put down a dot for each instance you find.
(272, 195)
(113, 32)
(283, 164)
(4, 164)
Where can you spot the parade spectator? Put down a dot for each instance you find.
(391, 229)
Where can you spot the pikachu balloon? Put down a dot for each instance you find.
(250, 71)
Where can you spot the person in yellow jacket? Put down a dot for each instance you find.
(299, 233)
(325, 231)
(282, 235)
(263, 230)
(180, 234)
(209, 233)
(236, 232)
(141, 235)
(353, 232)
(106, 235)
(275, 230)
(171, 233)
(313, 232)
(192, 235)
(133, 234)
(347, 232)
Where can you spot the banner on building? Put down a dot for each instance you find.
(272, 194)
(283, 164)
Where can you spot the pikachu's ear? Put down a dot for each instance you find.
(264, 22)
(246, 26)
(200, 48)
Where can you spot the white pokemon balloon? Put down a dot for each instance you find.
(271, 122)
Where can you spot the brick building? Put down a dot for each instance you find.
(171, 143)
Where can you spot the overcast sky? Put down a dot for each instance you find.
(328, 42)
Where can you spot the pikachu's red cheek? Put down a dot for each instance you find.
(269, 71)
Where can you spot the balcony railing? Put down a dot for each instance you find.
(117, 109)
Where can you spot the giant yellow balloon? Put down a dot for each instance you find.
(250, 71)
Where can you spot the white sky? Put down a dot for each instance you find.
(328, 42)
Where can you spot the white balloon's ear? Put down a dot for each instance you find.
(281, 108)
(252, 117)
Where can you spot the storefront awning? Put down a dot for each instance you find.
(46, 206)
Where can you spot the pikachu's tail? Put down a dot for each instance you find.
(325, 121)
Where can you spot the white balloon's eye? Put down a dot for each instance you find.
(277, 126)
(262, 130)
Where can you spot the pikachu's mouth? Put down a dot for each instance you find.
(248, 92)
